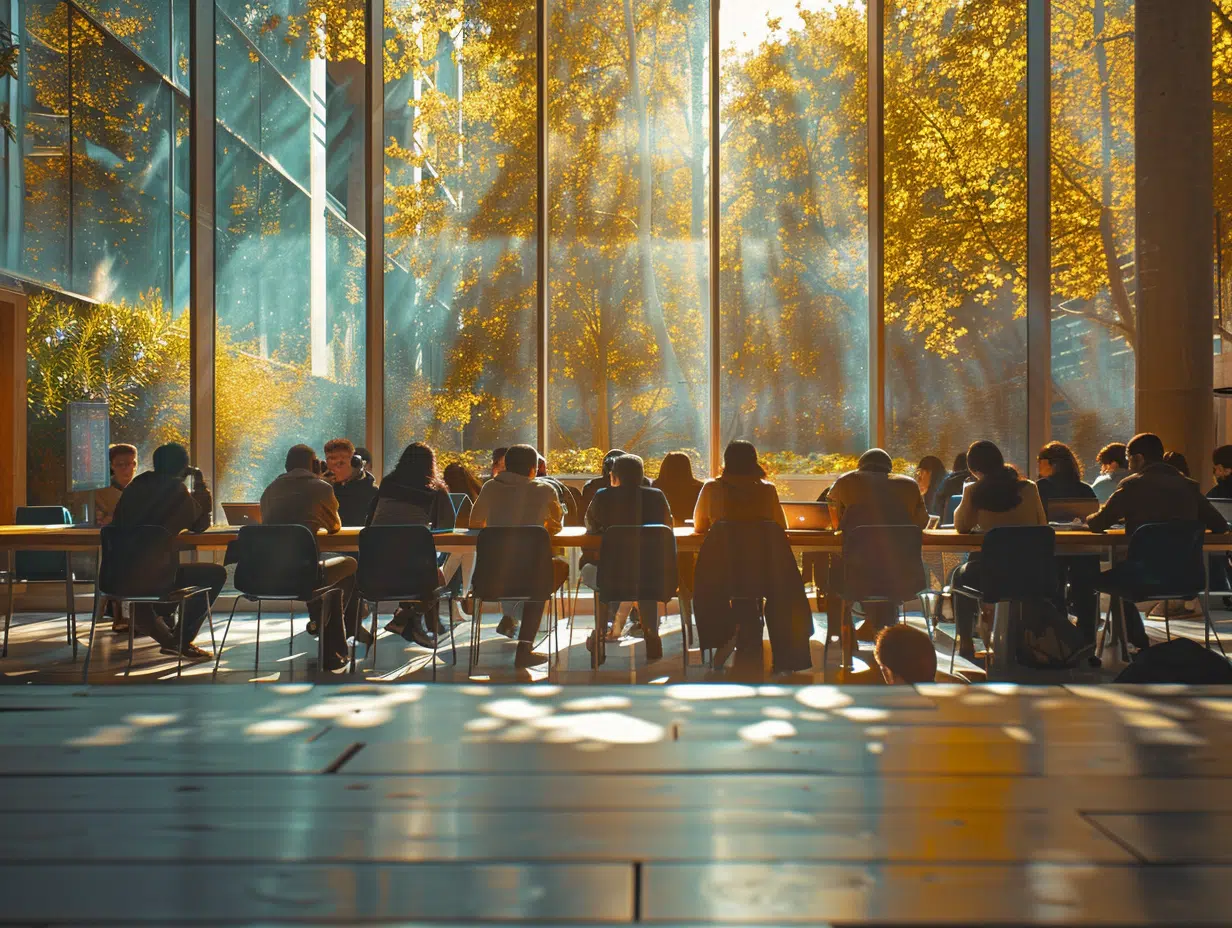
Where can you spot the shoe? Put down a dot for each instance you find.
(508, 626)
(335, 662)
(528, 657)
(416, 630)
(723, 652)
(312, 628)
(590, 646)
(119, 627)
(468, 605)
(191, 651)
(363, 635)
(456, 615)
(654, 648)
(397, 623)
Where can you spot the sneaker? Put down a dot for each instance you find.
(397, 624)
(528, 657)
(654, 648)
(363, 635)
(508, 626)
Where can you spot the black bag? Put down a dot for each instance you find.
(1180, 660)
(1047, 640)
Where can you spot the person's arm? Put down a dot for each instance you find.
(966, 516)
(1211, 517)
(668, 518)
(777, 509)
(555, 520)
(330, 520)
(919, 509)
(701, 512)
(203, 501)
(479, 509)
(1041, 514)
(1112, 512)
(835, 501)
(594, 517)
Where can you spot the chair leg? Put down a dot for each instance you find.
(222, 644)
(132, 641)
(436, 639)
(70, 617)
(209, 618)
(476, 633)
(256, 660)
(291, 632)
(85, 670)
(1167, 621)
(8, 615)
(376, 615)
(179, 658)
(453, 641)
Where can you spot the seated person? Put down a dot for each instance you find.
(515, 497)
(301, 497)
(498, 462)
(905, 655)
(159, 497)
(1061, 478)
(998, 497)
(953, 484)
(414, 494)
(354, 487)
(1153, 492)
(1222, 469)
(1113, 468)
(591, 487)
(563, 493)
(123, 461)
(626, 502)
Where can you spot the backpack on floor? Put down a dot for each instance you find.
(1046, 639)
(1180, 660)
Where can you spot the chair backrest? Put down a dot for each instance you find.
(1018, 563)
(951, 506)
(277, 561)
(883, 562)
(1168, 557)
(41, 565)
(513, 562)
(746, 552)
(396, 562)
(637, 562)
(138, 561)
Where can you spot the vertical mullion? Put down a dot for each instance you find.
(374, 231)
(542, 299)
(716, 398)
(876, 224)
(1039, 222)
(201, 309)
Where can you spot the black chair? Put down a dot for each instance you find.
(279, 562)
(513, 564)
(951, 506)
(397, 563)
(881, 564)
(139, 565)
(637, 563)
(1168, 564)
(42, 567)
(1018, 564)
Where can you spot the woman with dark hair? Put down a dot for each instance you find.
(677, 483)
(459, 479)
(1177, 460)
(741, 493)
(997, 497)
(1060, 474)
(1061, 478)
(413, 493)
(930, 473)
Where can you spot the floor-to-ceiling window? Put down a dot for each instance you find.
(955, 226)
(290, 282)
(628, 269)
(461, 207)
(793, 227)
(1093, 270)
(94, 217)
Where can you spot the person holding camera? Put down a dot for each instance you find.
(354, 486)
(161, 497)
(302, 497)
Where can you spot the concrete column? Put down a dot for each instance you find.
(1175, 210)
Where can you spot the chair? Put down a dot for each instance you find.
(637, 563)
(1018, 564)
(512, 564)
(881, 564)
(1169, 565)
(139, 565)
(42, 567)
(279, 562)
(397, 563)
(951, 506)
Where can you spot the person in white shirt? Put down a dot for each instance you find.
(1113, 468)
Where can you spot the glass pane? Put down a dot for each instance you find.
(460, 225)
(289, 282)
(142, 25)
(955, 226)
(1093, 272)
(794, 256)
(628, 274)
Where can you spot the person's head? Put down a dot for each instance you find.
(960, 462)
(1144, 449)
(417, 468)
(740, 460)
(170, 460)
(366, 456)
(1177, 460)
(1057, 459)
(522, 459)
(609, 460)
(905, 655)
(875, 461)
(301, 457)
(338, 454)
(929, 473)
(628, 470)
(996, 483)
(123, 460)
(498, 460)
(459, 479)
(1223, 462)
(675, 469)
(1113, 458)
(541, 466)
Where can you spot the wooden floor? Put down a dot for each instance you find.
(682, 804)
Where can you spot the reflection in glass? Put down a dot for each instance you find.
(955, 226)
(628, 273)
(794, 228)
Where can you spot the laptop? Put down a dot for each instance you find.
(807, 517)
(242, 513)
(462, 515)
(1068, 511)
(1224, 507)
